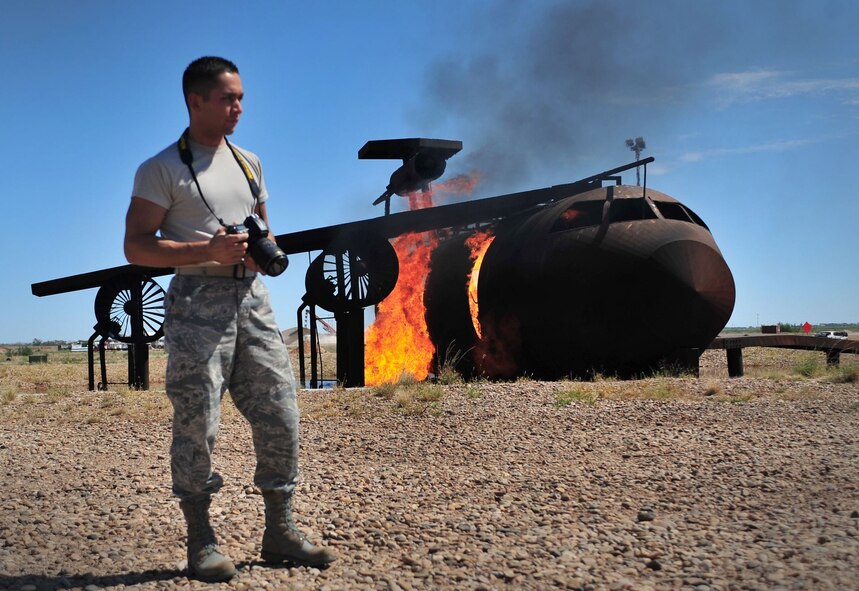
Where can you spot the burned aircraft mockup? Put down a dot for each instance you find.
(618, 280)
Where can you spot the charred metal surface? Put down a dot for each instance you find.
(447, 216)
(407, 148)
(355, 271)
(93, 279)
(424, 160)
(448, 315)
(604, 281)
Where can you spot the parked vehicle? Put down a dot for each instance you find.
(832, 334)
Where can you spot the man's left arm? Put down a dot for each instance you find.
(261, 212)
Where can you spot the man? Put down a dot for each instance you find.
(219, 328)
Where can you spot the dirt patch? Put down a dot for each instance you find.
(667, 483)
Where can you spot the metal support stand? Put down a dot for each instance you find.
(138, 366)
(102, 385)
(138, 351)
(91, 362)
(350, 348)
(833, 358)
(314, 347)
(302, 375)
(735, 362)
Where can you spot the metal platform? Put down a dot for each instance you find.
(733, 346)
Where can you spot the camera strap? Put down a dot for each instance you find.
(187, 159)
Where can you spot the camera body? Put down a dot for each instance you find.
(265, 253)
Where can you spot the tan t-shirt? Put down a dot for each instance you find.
(166, 181)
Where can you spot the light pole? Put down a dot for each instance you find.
(636, 145)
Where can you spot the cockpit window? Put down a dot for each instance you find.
(672, 211)
(675, 211)
(629, 210)
(589, 213)
(696, 219)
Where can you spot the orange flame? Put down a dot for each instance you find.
(420, 200)
(398, 341)
(462, 184)
(477, 244)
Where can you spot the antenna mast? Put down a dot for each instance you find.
(636, 145)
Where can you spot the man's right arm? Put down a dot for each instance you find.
(144, 247)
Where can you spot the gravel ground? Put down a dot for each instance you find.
(672, 483)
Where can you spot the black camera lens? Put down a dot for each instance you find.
(268, 256)
(265, 253)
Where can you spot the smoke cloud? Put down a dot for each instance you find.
(552, 88)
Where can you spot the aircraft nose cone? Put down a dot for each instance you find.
(696, 285)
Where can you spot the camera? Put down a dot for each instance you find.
(265, 253)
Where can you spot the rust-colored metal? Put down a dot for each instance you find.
(734, 345)
(448, 314)
(786, 341)
(612, 280)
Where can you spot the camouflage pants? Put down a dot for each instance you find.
(220, 334)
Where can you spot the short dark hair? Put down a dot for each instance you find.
(201, 75)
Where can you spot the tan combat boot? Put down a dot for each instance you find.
(282, 541)
(205, 561)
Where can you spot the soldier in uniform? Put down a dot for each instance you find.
(220, 332)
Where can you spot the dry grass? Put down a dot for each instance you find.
(447, 364)
(411, 397)
(472, 392)
(713, 390)
(337, 402)
(57, 389)
(567, 397)
(655, 389)
(89, 407)
(407, 397)
(8, 395)
(842, 375)
(788, 359)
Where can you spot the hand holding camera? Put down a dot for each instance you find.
(227, 249)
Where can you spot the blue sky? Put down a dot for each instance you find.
(751, 110)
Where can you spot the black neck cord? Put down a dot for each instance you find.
(188, 159)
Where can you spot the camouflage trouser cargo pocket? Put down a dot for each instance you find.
(221, 334)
